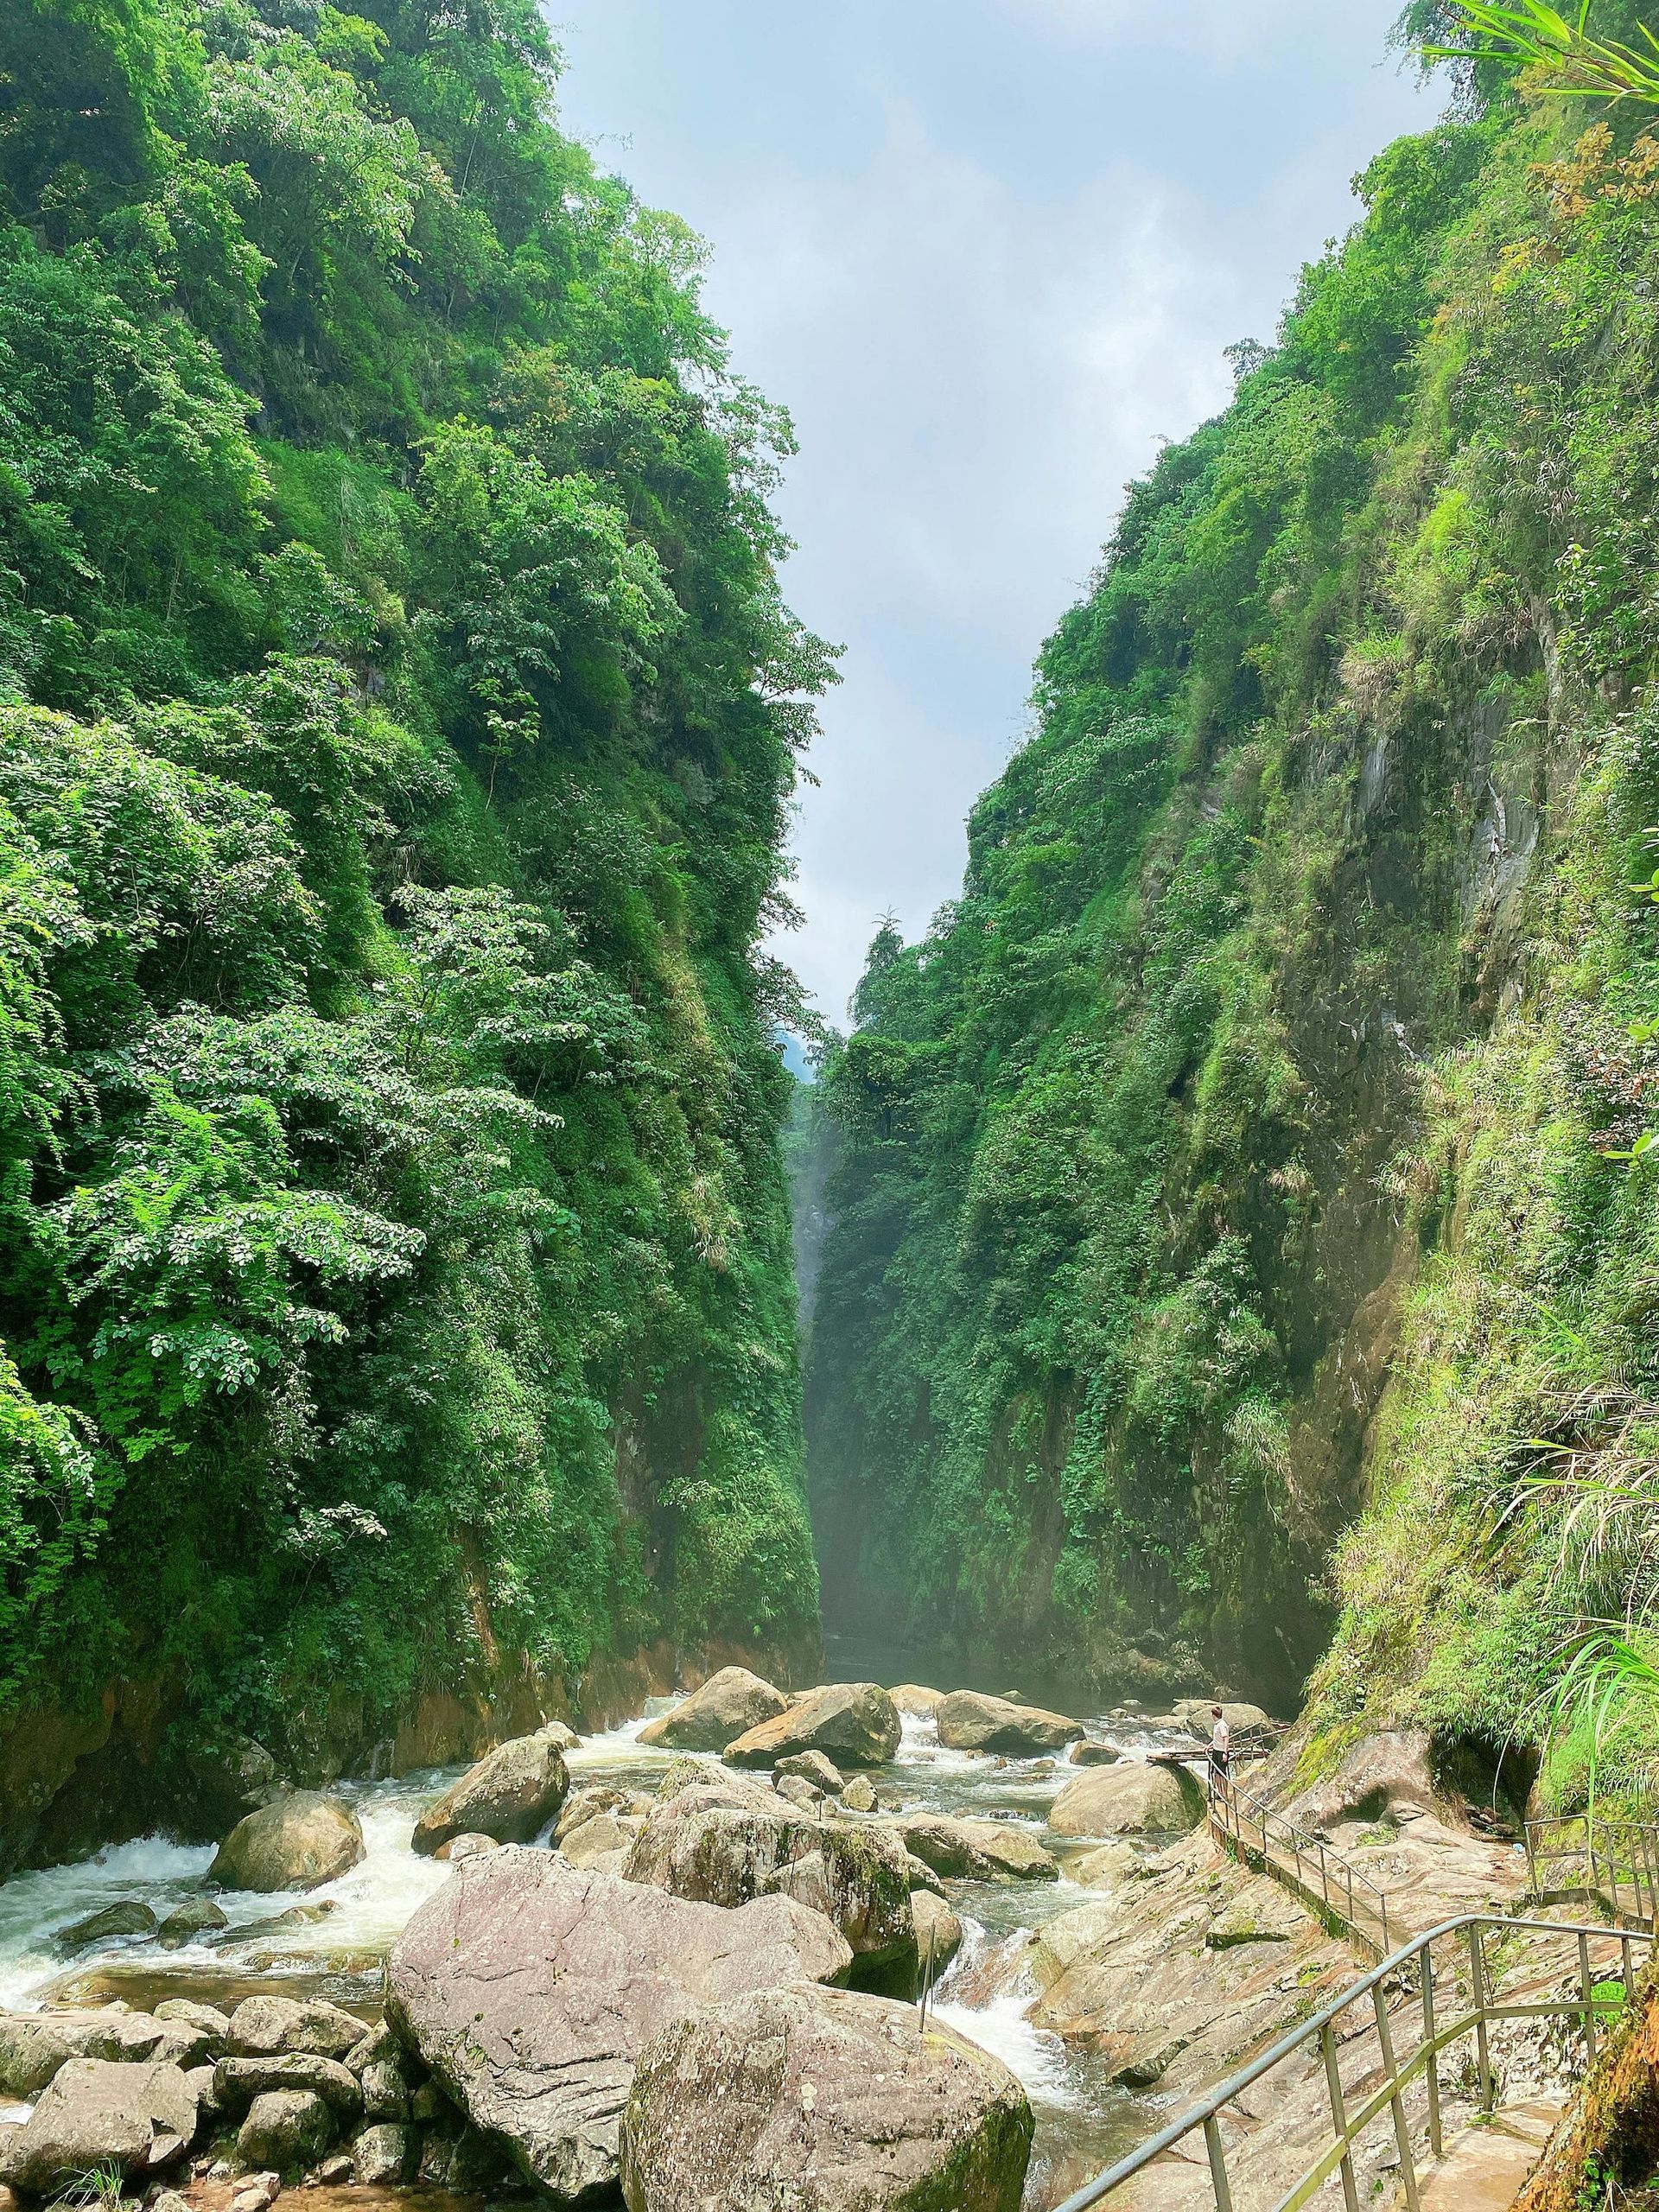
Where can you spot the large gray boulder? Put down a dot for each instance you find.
(96, 2112)
(132, 1916)
(1129, 1799)
(853, 1724)
(727, 1705)
(296, 1842)
(970, 1721)
(512, 1795)
(267, 2027)
(978, 1851)
(238, 2081)
(286, 2129)
(916, 1701)
(822, 2101)
(529, 1989)
(35, 2045)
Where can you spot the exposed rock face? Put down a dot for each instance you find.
(511, 1794)
(295, 1842)
(1380, 1773)
(1129, 1799)
(529, 1989)
(822, 2101)
(853, 1724)
(286, 2129)
(938, 1933)
(968, 1721)
(916, 1700)
(978, 1851)
(98, 2112)
(267, 2027)
(727, 1705)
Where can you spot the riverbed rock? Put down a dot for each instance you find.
(938, 1934)
(195, 1916)
(296, 1842)
(822, 2101)
(968, 1721)
(512, 1795)
(99, 2113)
(916, 1700)
(185, 2012)
(560, 1735)
(385, 2154)
(795, 1789)
(464, 1846)
(286, 2129)
(34, 2046)
(858, 1795)
(529, 1989)
(586, 1805)
(604, 1842)
(853, 1724)
(813, 1767)
(978, 1851)
(130, 1916)
(238, 2081)
(1086, 1753)
(727, 1706)
(270, 2027)
(1129, 1799)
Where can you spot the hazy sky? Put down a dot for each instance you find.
(988, 253)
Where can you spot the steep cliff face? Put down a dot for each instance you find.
(1216, 1164)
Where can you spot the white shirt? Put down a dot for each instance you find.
(1221, 1741)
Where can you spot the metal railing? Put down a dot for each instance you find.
(1616, 1863)
(1412, 1966)
(1323, 1876)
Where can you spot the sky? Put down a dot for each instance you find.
(988, 253)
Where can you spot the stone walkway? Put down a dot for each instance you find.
(1485, 2168)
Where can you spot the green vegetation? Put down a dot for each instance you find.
(398, 716)
(1248, 1149)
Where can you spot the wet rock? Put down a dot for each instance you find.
(195, 1916)
(385, 2154)
(288, 2129)
(853, 1724)
(978, 1851)
(767, 2101)
(100, 2113)
(465, 1847)
(130, 1917)
(859, 1794)
(916, 1700)
(267, 2027)
(968, 1721)
(511, 1794)
(1086, 1753)
(813, 1767)
(1129, 1799)
(939, 1934)
(586, 1805)
(529, 1989)
(922, 1876)
(795, 1789)
(230, 1778)
(560, 1735)
(604, 1842)
(238, 2082)
(727, 1705)
(296, 1842)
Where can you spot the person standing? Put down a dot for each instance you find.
(1221, 1745)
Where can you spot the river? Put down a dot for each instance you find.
(1084, 2121)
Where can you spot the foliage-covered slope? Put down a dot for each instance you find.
(401, 716)
(1294, 999)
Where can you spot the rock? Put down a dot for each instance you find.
(1380, 1775)
(461, 2163)
(771, 2100)
(858, 1795)
(238, 2081)
(202, 2081)
(465, 1847)
(1251, 1727)
(1129, 1799)
(33, 2045)
(1106, 1867)
(727, 1705)
(230, 1778)
(512, 1795)
(968, 1721)
(916, 1700)
(184, 2011)
(254, 2192)
(164, 2199)
(267, 2027)
(385, 2152)
(529, 1989)
(586, 1805)
(332, 2173)
(562, 1737)
(285, 2128)
(604, 1842)
(129, 1918)
(795, 1789)
(100, 2113)
(428, 2104)
(813, 1767)
(196, 1916)
(853, 1724)
(296, 1842)
(1086, 1753)
(939, 1934)
(978, 1851)
(922, 1877)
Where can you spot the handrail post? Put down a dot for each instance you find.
(1586, 1991)
(1527, 1829)
(1339, 2115)
(1482, 2050)
(1629, 1966)
(1218, 2181)
(1396, 2103)
(1433, 2070)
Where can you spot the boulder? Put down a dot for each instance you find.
(978, 1851)
(295, 1842)
(1252, 1728)
(939, 1934)
(560, 1735)
(853, 1724)
(859, 1794)
(512, 1795)
(1379, 1775)
(195, 1916)
(813, 1767)
(603, 1842)
(822, 2101)
(1086, 1753)
(100, 2113)
(585, 1805)
(130, 1917)
(185, 2012)
(270, 2027)
(464, 1846)
(384, 2153)
(727, 1705)
(229, 1777)
(238, 2082)
(530, 1990)
(916, 1701)
(286, 2129)
(968, 1721)
(35, 2045)
(1129, 1799)
(795, 1789)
